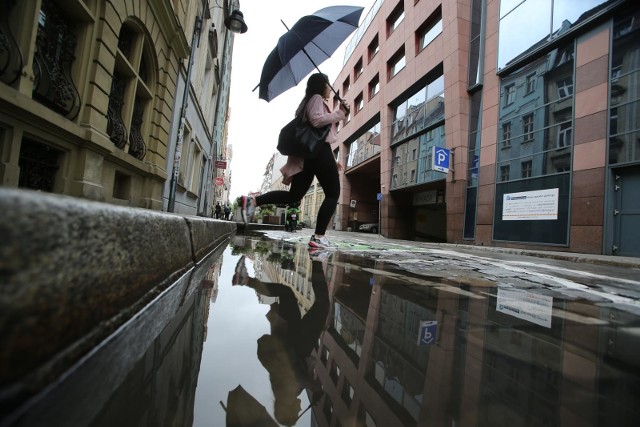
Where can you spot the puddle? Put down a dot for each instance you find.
(272, 335)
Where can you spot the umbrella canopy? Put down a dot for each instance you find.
(311, 41)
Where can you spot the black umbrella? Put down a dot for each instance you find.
(311, 41)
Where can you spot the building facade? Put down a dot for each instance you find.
(540, 127)
(91, 90)
(196, 164)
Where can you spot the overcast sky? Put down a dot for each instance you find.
(254, 123)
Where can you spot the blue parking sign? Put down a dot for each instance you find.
(441, 157)
(428, 330)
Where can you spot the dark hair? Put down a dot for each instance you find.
(316, 84)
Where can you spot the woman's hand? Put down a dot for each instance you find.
(344, 107)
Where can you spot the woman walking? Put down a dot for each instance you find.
(299, 172)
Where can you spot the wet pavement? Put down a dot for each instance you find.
(375, 333)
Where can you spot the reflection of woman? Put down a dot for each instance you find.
(286, 352)
(300, 172)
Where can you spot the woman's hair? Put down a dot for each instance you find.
(316, 84)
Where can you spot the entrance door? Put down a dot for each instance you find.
(626, 211)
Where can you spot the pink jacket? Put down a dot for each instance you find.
(319, 114)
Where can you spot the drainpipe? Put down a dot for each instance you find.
(183, 114)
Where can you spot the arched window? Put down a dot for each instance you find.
(131, 91)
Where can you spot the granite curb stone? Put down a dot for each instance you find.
(73, 270)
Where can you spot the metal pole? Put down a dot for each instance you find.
(183, 115)
(216, 123)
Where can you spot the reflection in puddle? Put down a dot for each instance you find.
(275, 335)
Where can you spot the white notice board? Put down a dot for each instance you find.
(530, 205)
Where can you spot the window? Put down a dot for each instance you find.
(397, 63)
(359, 102)
(565, 87)
(564, 135)
(504, 173)
(374, 48)
(346, 85)
(128, 109)
(527, 126)
(55, 82)
(429, 31)
(357, 70)
(509, 94)
(184, 155)
(374, 86)
(527, 168)
(394, 20)
(506, 135)
(531, 83)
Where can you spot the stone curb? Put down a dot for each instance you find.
(73, 270)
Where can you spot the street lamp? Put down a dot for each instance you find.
(234, 23)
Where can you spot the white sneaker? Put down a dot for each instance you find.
(319, 242)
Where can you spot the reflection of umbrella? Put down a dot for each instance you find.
(244, 410)
(308, 43)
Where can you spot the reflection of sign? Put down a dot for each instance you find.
(219, 181)
(534, 308)
(425, 198)
(352, 204)
(220, 164)
(379, 196)
(530, 205)
(474, 166)
(427, 332)
(440, 158)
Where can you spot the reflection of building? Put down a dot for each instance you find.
(486, 367)
(555, 108)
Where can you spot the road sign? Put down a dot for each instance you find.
(219, 181)
(353, 203)
(379, 196)
(220, 164)
(441, 157)
(428, 329)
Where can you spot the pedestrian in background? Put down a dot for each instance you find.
(299, 172)
(227, 211)
(218, 210)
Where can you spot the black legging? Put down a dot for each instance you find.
(324, 168)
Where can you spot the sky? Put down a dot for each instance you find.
(254, 123)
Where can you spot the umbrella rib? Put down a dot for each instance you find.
(312, 61)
